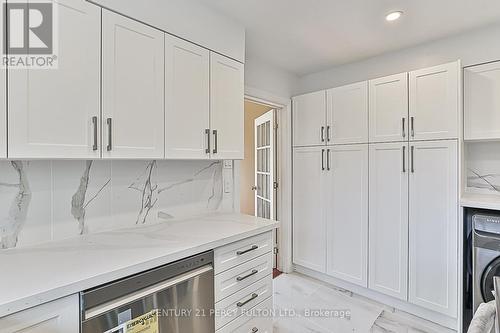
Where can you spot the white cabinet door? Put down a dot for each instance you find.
(187, 99)
(388, 214)
(226, 107)
(309, 119)
(3, 109)
(434, 102)
(389, 108)
(347, 114)
(433, 223)
(347, 213)
(133, 88)
(60, 316)
(482, 102)
(309, 229)
(55, 113)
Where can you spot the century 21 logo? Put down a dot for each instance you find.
(30, 28)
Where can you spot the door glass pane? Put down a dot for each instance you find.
(267, 134)
(267, 158)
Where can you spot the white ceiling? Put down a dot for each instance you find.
(306, 36)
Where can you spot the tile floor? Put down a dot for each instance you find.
(295, 294)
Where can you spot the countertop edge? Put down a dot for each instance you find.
(25, 303)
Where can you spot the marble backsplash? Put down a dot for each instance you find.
(483, 167)
(42, 201)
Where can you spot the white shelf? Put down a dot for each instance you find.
(485, 201)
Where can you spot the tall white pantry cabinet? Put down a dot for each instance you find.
(377, 207)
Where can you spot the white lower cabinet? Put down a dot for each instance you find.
(433, 226)
(347, 213)
(388, 212)
(309, 213)
(258, 319)
(59, 316)
(244, 285)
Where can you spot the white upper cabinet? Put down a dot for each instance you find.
(388, 212)
(133, 88)
(309, 119)
(226, 107)
(389, 108)
(347, 213)
(187, 100)
(309, 228)
(347, 115)
(433, 226)
(482, 102)
(434, 102)
(55, 113)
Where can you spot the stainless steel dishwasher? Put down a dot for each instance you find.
(175, 298)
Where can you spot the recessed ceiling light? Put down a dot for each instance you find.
(393, 16)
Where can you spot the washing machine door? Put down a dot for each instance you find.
(487, 286)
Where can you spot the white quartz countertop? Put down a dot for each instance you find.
(34, 275)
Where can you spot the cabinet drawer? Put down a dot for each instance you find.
(241, 276)
(259, 319)
(239, 252)
(235, 305)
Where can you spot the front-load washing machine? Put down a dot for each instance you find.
(486, 258)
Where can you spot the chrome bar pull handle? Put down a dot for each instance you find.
(328, 133)
(94, 124)
(322, 159)
(241, 278)
(328, 159)
(412, 129)
(207, 132)
(412, 159)
(322, 133)
(404, 159)
(253, 248)
(109, 122)
(404, 131)
(254, 296)
(215, 142)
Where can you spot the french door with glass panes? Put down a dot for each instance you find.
(264, 165)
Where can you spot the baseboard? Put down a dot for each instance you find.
(388, 302)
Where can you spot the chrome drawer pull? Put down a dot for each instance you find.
(240, 304)
(255, 330)
(207, 132)
(254, 247)
(241, 278)
(94, 123)
(110, 135)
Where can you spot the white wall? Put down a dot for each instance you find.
(189, 20)
(270, 79)
(474, 47)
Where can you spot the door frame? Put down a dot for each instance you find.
(283, 199)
